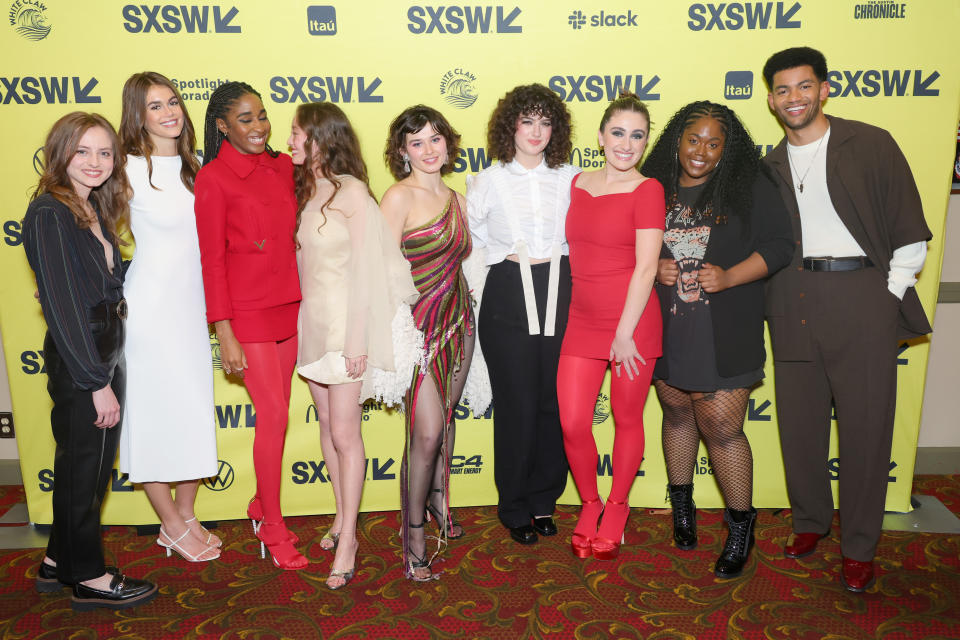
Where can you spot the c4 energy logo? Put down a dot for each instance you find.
(458, 89)
(743, 15)
(463, 19)
(603, 88)
(174, 18)
(869, 83)
(324, 88)
(578, 20)
(462, 465)
(222, 480)
(49, 90)
(322, 20)
(28, 19)
(879, 10)
(738, 85)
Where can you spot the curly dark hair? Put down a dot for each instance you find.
(413, 120)
(795, 57)
(530, 99)
(729, 189)
(220, 102)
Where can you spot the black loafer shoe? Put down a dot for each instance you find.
(124, 593)
(47, 581)
(545, 526)
(524, 534)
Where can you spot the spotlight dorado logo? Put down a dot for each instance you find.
(28, 19)
(458, 88)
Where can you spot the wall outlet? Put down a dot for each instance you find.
(6, 425)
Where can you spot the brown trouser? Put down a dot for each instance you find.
(851, 320)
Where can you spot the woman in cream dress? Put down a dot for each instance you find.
(355, 322)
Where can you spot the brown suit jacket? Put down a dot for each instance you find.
(873, 191)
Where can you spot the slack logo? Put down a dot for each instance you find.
(738, 85)
(322, 20)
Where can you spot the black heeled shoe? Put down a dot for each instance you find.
(740, 539)
(684, 516)
(442, 523)
(418, 562)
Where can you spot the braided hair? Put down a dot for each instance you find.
(221, 100)
(729, 189)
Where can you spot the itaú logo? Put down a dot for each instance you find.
(738, 85)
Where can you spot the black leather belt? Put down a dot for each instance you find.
(836, 264)
(108, 310)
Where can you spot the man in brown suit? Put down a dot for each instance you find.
(837, 312)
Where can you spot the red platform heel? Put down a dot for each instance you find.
(255, 513)
(586, 530)
(615, 516)
(276, 538)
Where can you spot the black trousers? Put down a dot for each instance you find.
(530, 467)
(84, 456)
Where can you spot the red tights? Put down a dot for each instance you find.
(268, 377)
(578, 383)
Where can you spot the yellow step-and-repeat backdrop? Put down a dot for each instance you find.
(376, 57)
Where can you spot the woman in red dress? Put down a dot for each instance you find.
(615, 229)
(246, 219)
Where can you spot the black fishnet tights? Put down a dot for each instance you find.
(718, 417)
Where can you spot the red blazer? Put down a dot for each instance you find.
(246, 217)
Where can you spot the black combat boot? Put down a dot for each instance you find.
(684, 515)
(739, 541)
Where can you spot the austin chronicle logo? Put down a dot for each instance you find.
(577, 19)
(222, 480)
(601, 411)
(458, 88)
(26, 16)
(322, 20)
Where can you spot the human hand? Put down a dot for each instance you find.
(232, 357)
(713, 278)
(667, 271)
(623, 353)
(356, 366)
(107, 408)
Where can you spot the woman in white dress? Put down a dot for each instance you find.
(357, 289)
(168, 441)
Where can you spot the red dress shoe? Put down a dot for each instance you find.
(803, 544)
(857, 576)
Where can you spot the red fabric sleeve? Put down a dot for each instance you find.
(210, 209)
(649, 210)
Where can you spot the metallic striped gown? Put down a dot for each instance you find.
(436, 251)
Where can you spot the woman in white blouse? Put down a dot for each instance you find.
(517, 210)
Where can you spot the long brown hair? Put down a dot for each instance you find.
(111, 198)
(329, 137)
(134, 138)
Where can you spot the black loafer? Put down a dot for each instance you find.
(124, 593)
(545, 526)
(524, 534)
(47, 581)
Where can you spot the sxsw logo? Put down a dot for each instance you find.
(602, 88)
(322, 20)
(460, 19)
(471, 159)
(119, 482)
(234, 416)
(738, 85)
(324, 88)
(578, 20)
(312, 471)
(870, 83)
(32, 362)
(48, 89)
(12, 233)
(739, 15)
(174, 18)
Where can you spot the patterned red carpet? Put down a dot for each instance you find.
(494, 588)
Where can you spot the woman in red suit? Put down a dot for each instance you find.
(615, 229)
(246, 217)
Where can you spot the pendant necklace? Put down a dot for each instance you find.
(810, 166)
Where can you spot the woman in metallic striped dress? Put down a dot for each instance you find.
(429, 220)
